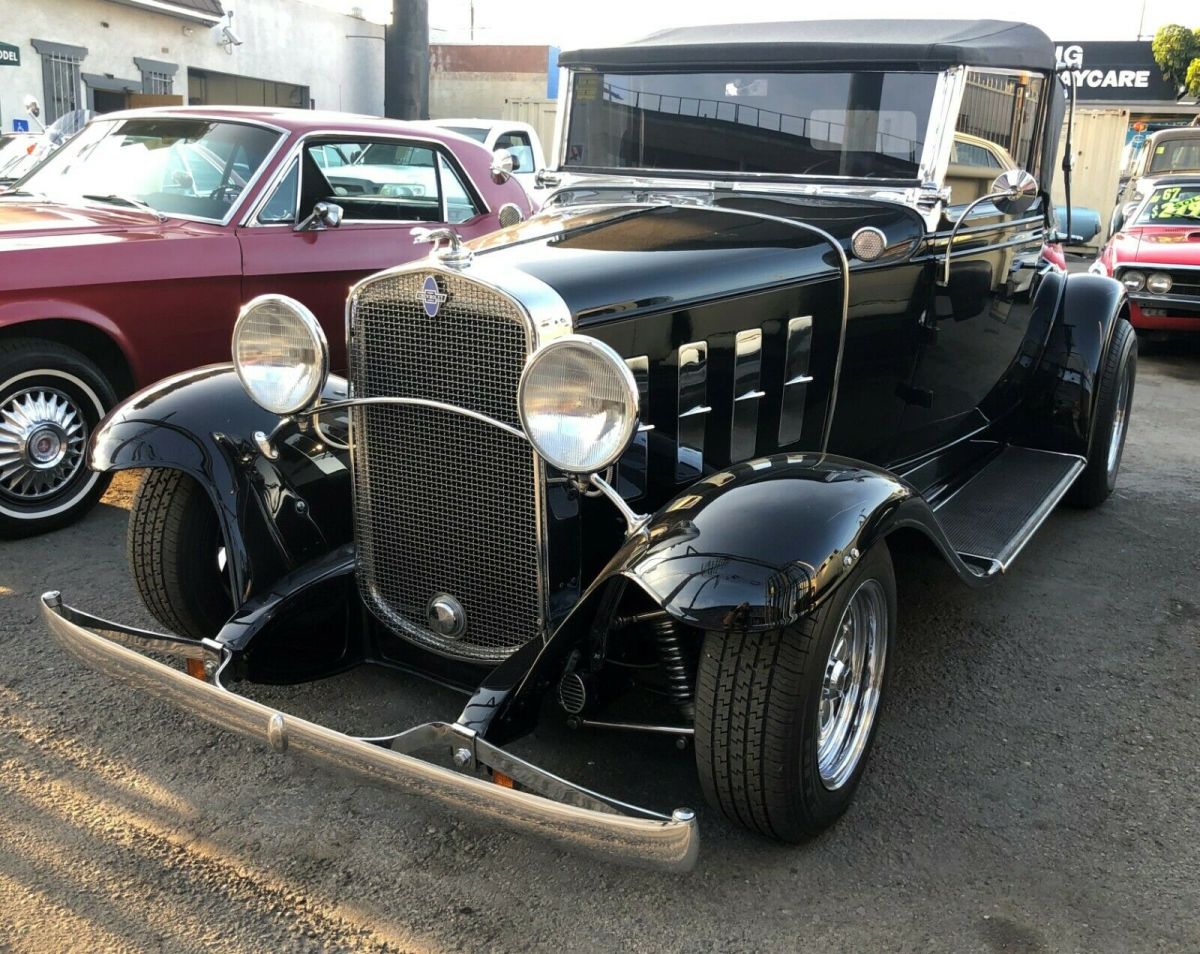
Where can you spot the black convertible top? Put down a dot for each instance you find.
(907, 44)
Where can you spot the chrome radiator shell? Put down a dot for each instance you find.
(445, 504)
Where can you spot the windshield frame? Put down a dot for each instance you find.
(248, 193)
(931, 168)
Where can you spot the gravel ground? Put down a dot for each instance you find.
(1033, 787)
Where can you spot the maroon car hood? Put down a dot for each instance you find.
(27, 220)
(1159, 245)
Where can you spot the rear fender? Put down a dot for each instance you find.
(752, 548)
(275, 513)
(1059, 412)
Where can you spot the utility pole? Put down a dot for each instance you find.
(406, 61)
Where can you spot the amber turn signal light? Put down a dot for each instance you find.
(195, 667)
(501, 779)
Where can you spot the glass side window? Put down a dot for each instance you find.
(521, 148)
(996, 129)
(372, 180)
(281, 207)
(459, 204)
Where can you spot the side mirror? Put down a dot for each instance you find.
(1014, 191)
(545, 179)
(325, 215)
(32, 106)
(504, 163)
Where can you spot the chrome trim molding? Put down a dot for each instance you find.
(747, 377)
(796, 378)
(634, 465)
(546, 806)
(689, 428)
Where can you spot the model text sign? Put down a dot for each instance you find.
(10, 55)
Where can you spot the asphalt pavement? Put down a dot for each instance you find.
(1034, 786)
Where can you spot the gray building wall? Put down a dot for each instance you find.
(339, 58)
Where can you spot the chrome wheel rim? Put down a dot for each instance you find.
(43, 434)
(1120, 422)
(851, 686)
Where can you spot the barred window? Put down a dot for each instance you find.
(61, 80)
(158, 78)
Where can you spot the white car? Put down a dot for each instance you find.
(520, 139)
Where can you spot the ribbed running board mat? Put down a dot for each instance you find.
(998, 510)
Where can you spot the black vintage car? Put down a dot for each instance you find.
(645, 461)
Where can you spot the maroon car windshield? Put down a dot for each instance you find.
(192, 167)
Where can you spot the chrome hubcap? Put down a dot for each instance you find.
(1120, 420)
(851, 686)
(42, 438)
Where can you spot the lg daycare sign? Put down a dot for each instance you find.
(1113, 71)
(10, 55)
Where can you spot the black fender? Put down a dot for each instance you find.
(1058, 412)
(751, 548)
(275, 514)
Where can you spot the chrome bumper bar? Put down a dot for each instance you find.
(543, 804)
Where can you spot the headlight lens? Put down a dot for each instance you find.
(280, 353)
(578, 404)
(1159, 283)
(1134, 281)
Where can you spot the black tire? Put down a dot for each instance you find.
(1099, 478)
(758, 705)
(41, 495)
(173, 543)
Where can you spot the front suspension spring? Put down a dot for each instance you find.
(674, 663)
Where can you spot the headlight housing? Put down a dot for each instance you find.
(578, 404)
(1133, 280)
(1159, 283)
(280, 353)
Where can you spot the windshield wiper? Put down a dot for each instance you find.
(114, 198)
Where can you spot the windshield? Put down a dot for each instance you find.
(14, 150)
(177, 166)
(1176, 155)
(471, 132)
(1172, 205)
(864, 125)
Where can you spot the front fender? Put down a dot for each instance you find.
(751, 548)
(274, 513)
(1059, 411)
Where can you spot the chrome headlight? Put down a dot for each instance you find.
(280, 353)
(578, 404)
(1159, 283)
(1134, 281)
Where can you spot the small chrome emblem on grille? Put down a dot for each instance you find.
(430, 297)
(446, 617)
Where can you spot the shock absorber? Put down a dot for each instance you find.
(674, 663)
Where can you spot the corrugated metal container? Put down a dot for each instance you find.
(540, 114)
(1099, 139)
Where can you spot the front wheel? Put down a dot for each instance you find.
(51, 399)
(1114, 401)
(785, 719)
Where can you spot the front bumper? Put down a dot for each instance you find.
(544, 805)
(1164, 312)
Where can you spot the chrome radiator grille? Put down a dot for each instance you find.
(443, 503)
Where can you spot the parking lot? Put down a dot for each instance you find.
(1033, 786)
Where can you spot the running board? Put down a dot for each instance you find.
(992, 516)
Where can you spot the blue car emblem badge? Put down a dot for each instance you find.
(430, 297)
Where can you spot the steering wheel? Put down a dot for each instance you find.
(225, 193)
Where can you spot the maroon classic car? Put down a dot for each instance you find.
(1156, 256)
(126, 255)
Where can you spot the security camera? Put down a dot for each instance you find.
(224, 33)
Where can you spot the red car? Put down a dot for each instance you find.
(126, 255)
(1156, 255)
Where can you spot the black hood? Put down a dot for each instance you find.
(622, 259)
